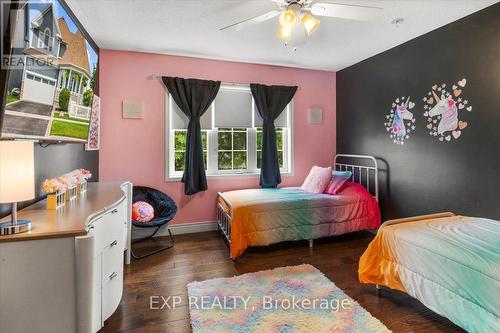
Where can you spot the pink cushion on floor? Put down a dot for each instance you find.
(317, 180)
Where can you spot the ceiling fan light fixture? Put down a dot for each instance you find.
(310, 23)
(288, 18)
(285, 33)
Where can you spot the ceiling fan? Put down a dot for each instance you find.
(293, 12)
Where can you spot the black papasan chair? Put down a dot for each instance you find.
(164, 211)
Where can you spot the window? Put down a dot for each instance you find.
(231, 135)
(45, 40)
(180, 149)
(232, 149)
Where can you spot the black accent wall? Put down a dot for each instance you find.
(425, 175)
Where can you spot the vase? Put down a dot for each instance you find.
(56, 200)
(71, 193)
(82, 187)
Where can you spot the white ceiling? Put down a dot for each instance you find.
(191, 27)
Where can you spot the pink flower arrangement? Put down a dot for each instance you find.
(70, 179)
(62, 183)
(85, 173)
(53, 185)
(77, 176)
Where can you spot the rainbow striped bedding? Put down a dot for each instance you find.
(451, 264)
(268, 216)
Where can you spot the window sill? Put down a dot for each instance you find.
(228, 176)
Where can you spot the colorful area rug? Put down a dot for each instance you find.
(285, 300)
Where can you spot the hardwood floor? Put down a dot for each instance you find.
(205, 256)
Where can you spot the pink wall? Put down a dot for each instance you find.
(134, 149)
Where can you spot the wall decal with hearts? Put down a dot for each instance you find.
(445, 109)
(401, 121)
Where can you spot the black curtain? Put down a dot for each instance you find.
(270, 102)
(193, 97)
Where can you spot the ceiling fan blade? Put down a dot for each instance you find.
(345, 11)
(251, 21)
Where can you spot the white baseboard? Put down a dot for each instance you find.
(177, 229)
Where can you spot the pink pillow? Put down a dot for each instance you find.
(142, 211)
(338, 180)
(317, 180)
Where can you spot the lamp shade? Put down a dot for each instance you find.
(17, 171)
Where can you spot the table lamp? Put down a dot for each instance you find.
(17, 181)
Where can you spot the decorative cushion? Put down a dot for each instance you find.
(142, 211)
(339, 178)
(317, 180)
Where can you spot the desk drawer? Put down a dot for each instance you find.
(113, 221)
(112, 258)
(112, 289)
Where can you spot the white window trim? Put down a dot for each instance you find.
(172, 175)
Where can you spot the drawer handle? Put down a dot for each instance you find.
(114, 211)
(113, 243)
(113, 275)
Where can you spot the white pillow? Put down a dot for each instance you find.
(317, 180)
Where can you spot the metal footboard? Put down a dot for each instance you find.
(224, 219)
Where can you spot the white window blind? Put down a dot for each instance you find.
(233, 108)
(180, 120)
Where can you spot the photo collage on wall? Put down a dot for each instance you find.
(442, 110)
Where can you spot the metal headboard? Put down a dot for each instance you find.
(365, 175)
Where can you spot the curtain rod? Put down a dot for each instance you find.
(158, 77)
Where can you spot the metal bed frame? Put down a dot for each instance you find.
(365, 175)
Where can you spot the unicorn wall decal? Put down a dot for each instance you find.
(401, 114)
(446, 108)
(442, 109)
(400, 122)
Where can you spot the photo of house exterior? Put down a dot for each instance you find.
(53, 60)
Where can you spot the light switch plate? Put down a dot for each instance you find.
(315, 116)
